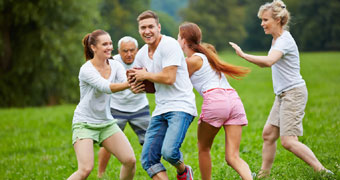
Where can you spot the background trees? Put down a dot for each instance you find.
(220, 21)
(316, 25)
(41, 51)
(119, 18)
(40, 41)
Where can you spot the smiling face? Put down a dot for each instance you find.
(149, 30)
(104, 47)
(269, 24)
(127, 51)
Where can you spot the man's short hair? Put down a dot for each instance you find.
(127, 39)
(148, 14)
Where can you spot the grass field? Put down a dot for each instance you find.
(35, 143)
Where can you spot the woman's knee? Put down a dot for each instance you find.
(129, 161)
(231, 159)
(270, 134)
(203, 148)
(288, 142)
(85, 170)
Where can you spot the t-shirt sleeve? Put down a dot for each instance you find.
(282, 44)
(172, 54)
(94, 79)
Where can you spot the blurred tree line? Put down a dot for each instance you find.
(41, 50)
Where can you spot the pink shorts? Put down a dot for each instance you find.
(222, 107)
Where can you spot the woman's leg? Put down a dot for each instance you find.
(233, 135)
(205, 134)
(270, 134)
(85, 158)
(103, 159)
(120, 147)
(292, 144)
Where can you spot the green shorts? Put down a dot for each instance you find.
(97, 132)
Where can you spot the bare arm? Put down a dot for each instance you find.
(166, 76)
(262, 61)
(115, 87)
(194, 63)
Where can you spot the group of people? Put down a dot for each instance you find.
(112, 93)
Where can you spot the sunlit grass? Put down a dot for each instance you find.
(35, 143)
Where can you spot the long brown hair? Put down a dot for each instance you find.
(91, 39)
(193, 36)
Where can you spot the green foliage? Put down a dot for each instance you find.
(170, 7)
(256, 39)
(217, 20)
(43, 51)
(42, 137)
(314, 25)
(168, 25)
(121, 17)
(40, 41)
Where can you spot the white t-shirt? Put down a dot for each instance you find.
(206, 78)
(94, 105)
(176, 97)
(286, 71)
(126, 100)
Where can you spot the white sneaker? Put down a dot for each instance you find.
(253, 175)
(329, 172)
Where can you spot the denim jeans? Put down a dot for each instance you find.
(164, 137)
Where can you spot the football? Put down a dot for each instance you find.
(148, 85)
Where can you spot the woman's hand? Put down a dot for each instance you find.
(238, 50)
(137, 87)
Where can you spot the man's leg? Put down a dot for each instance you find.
(140, 122)
(179, 123)
(103, 160)
(151, 153)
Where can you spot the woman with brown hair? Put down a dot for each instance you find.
(92, 120)
(221, 104)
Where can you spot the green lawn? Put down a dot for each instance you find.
(35, 143)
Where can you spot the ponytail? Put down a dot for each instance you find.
(220, 66)
(87, 47)
(91, 39)
(193, 36)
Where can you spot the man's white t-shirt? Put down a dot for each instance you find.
(286, 71)
(95, 93)
(126, 100)
(180, 95)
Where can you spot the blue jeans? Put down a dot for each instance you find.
(164, 137)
